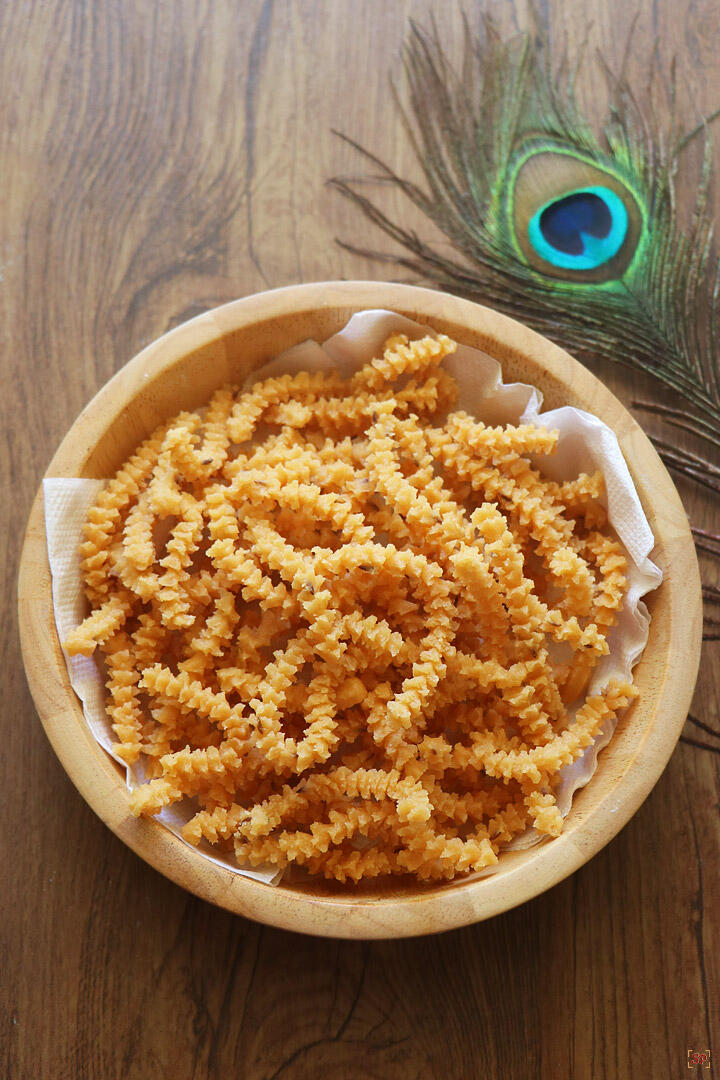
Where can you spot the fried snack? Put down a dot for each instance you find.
(330, 613)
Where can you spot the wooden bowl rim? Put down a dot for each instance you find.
(432, 909)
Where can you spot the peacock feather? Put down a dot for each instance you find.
(573, 230)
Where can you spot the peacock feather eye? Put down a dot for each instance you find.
(571, 218)
(580, 230)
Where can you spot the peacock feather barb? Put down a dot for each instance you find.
(572, 230)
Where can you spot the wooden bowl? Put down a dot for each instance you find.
(180, 371)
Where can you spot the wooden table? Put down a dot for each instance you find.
(158, 159)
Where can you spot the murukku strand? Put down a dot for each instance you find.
(518, 486)
(105, 516)
(442, 523)
(308, 586)
(165, 733)
(334, 415)
(193, 696)
(216, 634)
(429, 854)
(439, 524)
(181, 446)
(258, 454)
(202, 587)
(372, 633)
(572, 573)
(410, 798)
(487, 675)
(300, 845)
(236, 562)
(529, 615)
(149, 639)
(100, 625)
(506, 825)
(400, 357)
(138, 542)
(582, 498)
(261, 484)
(321, 736)
(173, 602)
(235, 680)
(579, 494)
(506, 562)
(481, 600)
(267, 705)
(468, 806)
(165, 487)
(214, 825)
(544, 813)
(186, 772)
(564, 748)
(340, 864)
(329, 506)
(388, 721)
(340, 416)
(612, 566)
(253, 639)
(266, 815)
(123, 707)
(494, 443)
(529, 712)
(213, 449)
(250, 407)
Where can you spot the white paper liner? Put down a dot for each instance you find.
(585, 444)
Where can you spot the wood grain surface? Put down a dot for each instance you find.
(157, 159)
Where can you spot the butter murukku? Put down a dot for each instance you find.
(353, 626)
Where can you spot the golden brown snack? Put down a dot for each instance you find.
(328, 610)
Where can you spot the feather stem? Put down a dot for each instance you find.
(690, 135)
(707, 550)
(686, 470)
(695, 425)
(708, 547)
(706, 534)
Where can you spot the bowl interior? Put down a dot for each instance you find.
(180, 371)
